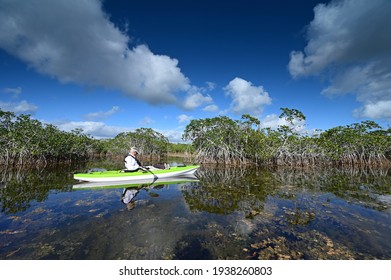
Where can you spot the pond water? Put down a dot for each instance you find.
(230, 213)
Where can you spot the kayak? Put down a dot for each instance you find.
(119, 175)
(151, 182)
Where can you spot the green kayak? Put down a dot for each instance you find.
(120, 175)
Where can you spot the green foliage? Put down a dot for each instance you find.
(147, 141)
(180, 148)
(291, 115)
(223, 140)
(363, 142)
(216, 139)
(25, 140)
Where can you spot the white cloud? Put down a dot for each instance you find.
(211, 108)
(197, 96)
(18, 107)
(22, 107)
(247, 98)
(273, 121)
(184, 118)
(100, 130)
(74, 41)
(14, 92)
(102, 115)
(381, 109)
(194, 100)
(350, 40)
(96, 129)
(173, 135)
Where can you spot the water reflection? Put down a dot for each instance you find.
(301, 214)
(128, 197)
(224, 191)
(21, 187)
(230, 213)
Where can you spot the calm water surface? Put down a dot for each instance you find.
(227, 214)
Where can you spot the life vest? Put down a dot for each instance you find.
(138, 162)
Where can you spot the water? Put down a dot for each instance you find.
(229, 213)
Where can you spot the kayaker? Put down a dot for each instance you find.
(133, 164)
(131, 161)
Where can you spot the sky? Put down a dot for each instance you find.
(114, 66)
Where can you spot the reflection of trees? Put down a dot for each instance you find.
(362, 185)
(225, 190)
(20, 187)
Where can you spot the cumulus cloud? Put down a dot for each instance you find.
(184, 118)
(349, 40)
(198, 96)
(273, 121)
(101, 115)
(194, 100)
(381, 109)
(22, 107)
(74, 41)
(247, 98)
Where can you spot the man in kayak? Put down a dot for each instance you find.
(131, 161)
(132, 164)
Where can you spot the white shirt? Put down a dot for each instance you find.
(131, 163)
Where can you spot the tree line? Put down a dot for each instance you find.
(227, 141)
(24, 140)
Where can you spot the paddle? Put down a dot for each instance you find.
(142, 168)
(146, 168)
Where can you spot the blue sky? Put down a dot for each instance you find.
(113, 66)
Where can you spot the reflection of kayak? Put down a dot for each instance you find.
(151, 182)
(118, 175)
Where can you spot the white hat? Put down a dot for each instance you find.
(133, 149)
